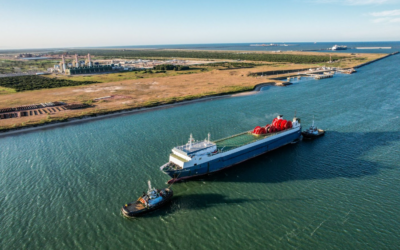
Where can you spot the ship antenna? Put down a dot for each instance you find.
(190, 141)
(313, 120)
(209, 136)
(295, 113)
(149, 183)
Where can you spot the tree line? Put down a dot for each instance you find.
(23, 83)
(171, 67)
(251, 56)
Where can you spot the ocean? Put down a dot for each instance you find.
(301, 46)
(63, 188)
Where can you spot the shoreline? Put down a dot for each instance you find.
(257, 88)
(85, 119)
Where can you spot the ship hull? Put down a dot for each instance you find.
(245, 153)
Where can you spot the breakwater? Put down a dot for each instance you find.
(361, 65)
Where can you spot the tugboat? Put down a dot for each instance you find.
(312, 132)
(150, 201)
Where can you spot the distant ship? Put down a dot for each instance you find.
(339, 47)
(198, 158)
(265, 45)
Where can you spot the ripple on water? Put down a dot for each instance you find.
(337, 192)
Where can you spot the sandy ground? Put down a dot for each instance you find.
(142, 90)
(121, 113)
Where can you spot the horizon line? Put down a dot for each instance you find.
(177, 44)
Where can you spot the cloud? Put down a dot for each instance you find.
(357, 2)
(386, 20)
(366, 2)
(386, 13)
(388, 16)
(380, 20)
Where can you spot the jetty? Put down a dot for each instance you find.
(373, 47)
(363, 64)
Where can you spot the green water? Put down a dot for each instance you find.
(63, 188)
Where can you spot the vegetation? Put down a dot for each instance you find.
(233, 65)
(129, 75)
(16, 66)
(171, 67)
(228, 90)
(251, 56)
(22, 83)
(6, 90)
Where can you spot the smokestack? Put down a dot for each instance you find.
(89, 61)
(76, 60)
(63, 63)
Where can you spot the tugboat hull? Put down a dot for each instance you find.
(137, 209)
(313, 136)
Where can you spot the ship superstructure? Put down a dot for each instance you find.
(339, 47)
(197, 158)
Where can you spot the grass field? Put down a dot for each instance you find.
(4, 90)
(127, 75)
(131, 75)
(12, 66)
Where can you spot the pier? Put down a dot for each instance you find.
(320, 76)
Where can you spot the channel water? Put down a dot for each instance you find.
(62, 188)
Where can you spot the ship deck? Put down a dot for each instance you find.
(239, 140)
(135, 207)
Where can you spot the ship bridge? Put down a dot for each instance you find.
(187, 152)
(190, 149)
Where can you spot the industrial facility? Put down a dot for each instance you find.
(87, 66)
(80, 67)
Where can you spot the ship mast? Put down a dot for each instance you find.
(190, 141)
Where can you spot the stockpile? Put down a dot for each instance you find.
(7, 110)
(27, 107)
(276, 126)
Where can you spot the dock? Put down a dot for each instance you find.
(320, 76)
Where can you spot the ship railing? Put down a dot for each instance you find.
(246, 132)
(266, 136)
(170, 166)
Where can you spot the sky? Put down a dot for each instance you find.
(95, 23)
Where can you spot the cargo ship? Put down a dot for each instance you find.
(197, 158)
